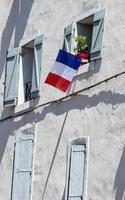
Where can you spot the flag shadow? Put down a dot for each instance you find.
(54, 155)
(119, 183)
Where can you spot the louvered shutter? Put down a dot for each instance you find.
(97, 35)
(67, 38)
(38, 42)
(11, 77)
(21, 188)
(76, 172)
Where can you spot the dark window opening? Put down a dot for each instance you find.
(27, 63)
(85, 27)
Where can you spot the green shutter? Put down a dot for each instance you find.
(11, 77)
(38, 42)
(67, 38)
(97, 35)
(76, 173)
(22, 174)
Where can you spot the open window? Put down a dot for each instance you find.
(31, 55)
(23, 70)
(92, 27)
(76, 170)
(27, 54)
(85, 27)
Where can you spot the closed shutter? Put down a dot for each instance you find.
(67, 38)
(21, 187)
(76, 172)
(97, 35)
(38, 42)
(11, 77)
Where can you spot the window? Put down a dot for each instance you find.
(76, 170)
(85, 27)
(27, 53)
(92, 27)
(22, 75)
(22, 165)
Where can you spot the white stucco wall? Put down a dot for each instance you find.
(97, 113)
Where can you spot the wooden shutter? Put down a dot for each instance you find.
(67, 38)
(37, 66)
(76, 172)
(11, 77)
(97, 35)
(21, 187)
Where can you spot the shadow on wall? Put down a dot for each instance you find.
(6, 129)
(53, 158)
(76, 102)
(63, 198)
(119, 183)
(15, 24)
(94, 67)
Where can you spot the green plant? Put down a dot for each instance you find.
(81, 44)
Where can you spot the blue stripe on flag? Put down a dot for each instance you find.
(68, 59)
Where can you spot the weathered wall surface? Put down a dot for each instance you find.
(98, 113)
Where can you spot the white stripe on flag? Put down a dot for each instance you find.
(63, 71)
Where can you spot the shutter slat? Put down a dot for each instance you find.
(37, 66)
(76, 176)
(11, 78)
(97, 35)
(23, 165)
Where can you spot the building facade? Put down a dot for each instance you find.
(56, 145)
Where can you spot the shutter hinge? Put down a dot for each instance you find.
(74, 196)
(24, 170)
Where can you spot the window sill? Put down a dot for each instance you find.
(26, 106)
(85, 68)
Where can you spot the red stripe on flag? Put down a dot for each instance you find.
(57, 81)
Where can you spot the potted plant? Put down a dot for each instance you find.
(81, 48)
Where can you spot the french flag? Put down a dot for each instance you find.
(63, 70)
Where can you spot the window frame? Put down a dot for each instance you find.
(23, 43)
(21, 66)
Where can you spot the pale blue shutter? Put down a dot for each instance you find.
(97, 35)
(76, 172)
(38, 42)
(67, 38)
(11, 77)
(21, 188)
